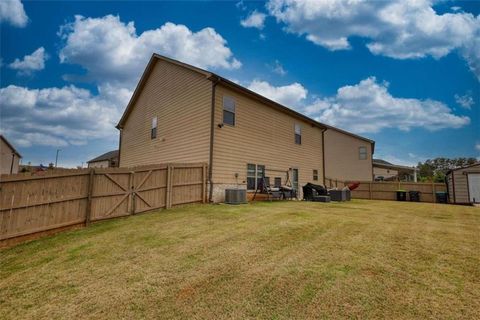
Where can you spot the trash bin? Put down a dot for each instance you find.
(414, 196)
(441, 197)
(401, 195)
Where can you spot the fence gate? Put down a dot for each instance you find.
(35, 204)
(119, 192)
(149, 189)
(111, 194)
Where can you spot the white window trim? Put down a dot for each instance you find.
(154, 126)
(360, 153)
(234, 111)
(299, 126)
(256, 174)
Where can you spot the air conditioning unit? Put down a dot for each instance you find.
(235, 196)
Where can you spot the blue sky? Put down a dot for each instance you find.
(405, 74)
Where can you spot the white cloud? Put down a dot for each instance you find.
(111, 51)
(399, 29)
(240, 5)
(477, 146)
(465, 101)
(30, 63)
(278, 68)
(59, 116)
(366, 107)
(369, 107)
(12, 11)
(254, 20)
(290, 95)
(114, 57)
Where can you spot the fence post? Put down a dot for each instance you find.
(131, 187)
(88, 213)
(169, 187)
(204, 182)
(434, 198)
(370, 190)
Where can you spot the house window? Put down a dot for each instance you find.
(153, 131)
(255, 173)
(229, 111)
(298, 134)
(315, 175)
(362, 153)
(251, 177)
(267, 181)
(278, 182)
(260, 175)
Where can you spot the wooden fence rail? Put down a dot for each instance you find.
(31, 205)
(382, 190)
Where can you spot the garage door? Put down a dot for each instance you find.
(474, 187)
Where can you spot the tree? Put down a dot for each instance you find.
(436, 169)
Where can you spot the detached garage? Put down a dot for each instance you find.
(464, 185)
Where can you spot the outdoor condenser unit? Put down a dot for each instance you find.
(235, 196)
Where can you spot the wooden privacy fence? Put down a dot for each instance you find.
(382, 190)
(31, 205)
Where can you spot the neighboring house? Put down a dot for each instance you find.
(9, 157)
(180, 113)
(386, 171)
(106, 160)
(348, 156)
(463, 184)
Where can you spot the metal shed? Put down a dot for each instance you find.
(463, 184)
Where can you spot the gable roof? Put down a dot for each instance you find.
(217, 79)
(106, 156)
(464, 167)
(10, 146)
(379, 163)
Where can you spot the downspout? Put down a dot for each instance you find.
(323, 154)
(119, 146)
(212, 133)
(11, 165)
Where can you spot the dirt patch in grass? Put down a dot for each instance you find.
(279, 260)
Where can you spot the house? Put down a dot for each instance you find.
(463, 184)
(386, 171)
(181, 113)
(106, 160)
(348, 157)
(9, 157)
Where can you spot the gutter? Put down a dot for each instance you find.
(215, 81)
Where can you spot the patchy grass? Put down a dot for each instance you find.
(280, 260)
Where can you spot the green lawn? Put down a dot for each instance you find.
(280, 260)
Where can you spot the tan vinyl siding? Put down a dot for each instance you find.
(265, 136)
(385, 173)
(181, 100)
(6, 159)
(99, 164)
(342, 160)
(460, 177)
